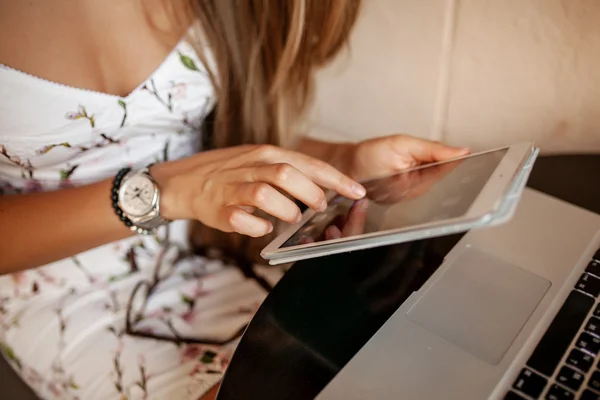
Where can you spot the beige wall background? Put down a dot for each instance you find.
(480, 73)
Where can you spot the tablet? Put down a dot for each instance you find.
(431, 200)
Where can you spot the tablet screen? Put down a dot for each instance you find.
(429, 194)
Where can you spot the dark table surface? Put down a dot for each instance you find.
(324, 310)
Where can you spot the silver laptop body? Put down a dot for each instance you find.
(472, 329)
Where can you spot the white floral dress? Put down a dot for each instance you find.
(63, 325)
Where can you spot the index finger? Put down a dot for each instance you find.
(326, 175)
(425, 151)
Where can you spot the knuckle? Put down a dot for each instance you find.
(282, 172)
(260, 192)
(207, 185)
(266, 151)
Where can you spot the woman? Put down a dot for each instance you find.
(84, 109)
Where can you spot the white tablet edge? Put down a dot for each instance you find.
(503, 214)
(486, 202)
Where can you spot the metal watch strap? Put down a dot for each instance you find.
(140, 226)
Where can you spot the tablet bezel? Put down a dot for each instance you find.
(484, 205)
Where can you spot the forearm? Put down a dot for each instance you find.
(39, 228)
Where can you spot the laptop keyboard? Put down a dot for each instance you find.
(566, 362)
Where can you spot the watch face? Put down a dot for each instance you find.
(137, 195)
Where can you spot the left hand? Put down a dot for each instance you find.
(390, 154)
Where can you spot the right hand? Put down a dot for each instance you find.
(222, 188)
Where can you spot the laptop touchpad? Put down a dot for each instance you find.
(480, 304)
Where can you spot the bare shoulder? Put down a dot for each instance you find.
(103, 45)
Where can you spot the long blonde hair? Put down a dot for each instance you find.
(265, 55)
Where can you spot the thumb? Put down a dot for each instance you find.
(442, 152)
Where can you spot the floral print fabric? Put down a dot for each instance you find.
(62, 326)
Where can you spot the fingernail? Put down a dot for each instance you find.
(359, 190)
(323, 205)
(269, 229)
(298, 218)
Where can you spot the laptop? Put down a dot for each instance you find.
(512, 313)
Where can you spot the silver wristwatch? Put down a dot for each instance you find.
(139, 201)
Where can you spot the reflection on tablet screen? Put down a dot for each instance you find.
(415, 197)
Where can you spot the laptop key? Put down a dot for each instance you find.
(594, 381)
(589, 284)
(570, 378)
(559, 393)
(594, 267)
(593, 325)
(588, 342)
(589, 395)
(560, 333)
(530, 383)
(597, 311)
(513, 396)
(580, 360)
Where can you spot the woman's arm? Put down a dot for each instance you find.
(215, 188)
(39, 228)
